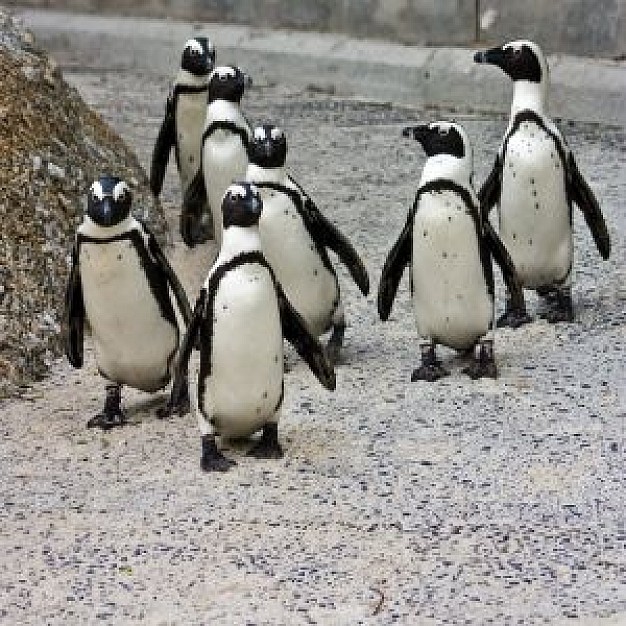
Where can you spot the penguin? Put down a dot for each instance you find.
(534, 181)
(225, 141)
(239, 321)
(450, 249)
(122, 285)
(181, 128)
(296, 239)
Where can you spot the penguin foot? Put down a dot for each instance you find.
(113, 415)
(268, 446)
(107, 420)
(513, 318)
(558, 305)
(212, 459)
(430, 372)
(483, 364)
(180, 405)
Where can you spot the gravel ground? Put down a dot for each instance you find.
(460, 502)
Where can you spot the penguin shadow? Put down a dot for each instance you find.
(145, 410)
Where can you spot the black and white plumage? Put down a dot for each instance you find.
(122, 285)
(185, 112)
(239, 321)
(225, 140)
(534, 182)
(297, 237)
(449, 249)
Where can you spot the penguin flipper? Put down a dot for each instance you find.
(194, 204)
(583, 196)
(162, 148)
(179, 292)
(501, 256)
(397, 260)
(74, 314)
(328, 235)
(192, 334)
(491, 189)
(308, 347)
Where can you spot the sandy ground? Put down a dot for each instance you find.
(460, 502)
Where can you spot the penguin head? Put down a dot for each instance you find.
(227, 82)
(520, 60)
(268, 147)
(198, 56)
(108, 201)
(446, 138)
(241, 205)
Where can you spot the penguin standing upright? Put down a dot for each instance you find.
(225, 142)
(181, 128)
(296, 237)
(534, 182)
(121, 284)
(450, 250)
(240, 319)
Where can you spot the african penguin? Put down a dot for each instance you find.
(239, 320)
(121, 284)
(296, 238)
(534, 182)
(185, 112)
(225, 142)
(449, 249)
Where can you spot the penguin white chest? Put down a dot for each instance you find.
(534, 213)
(451, 301)
(310, 286)
(224, 160)
(190, 115)
(245, 384)
(134, 344)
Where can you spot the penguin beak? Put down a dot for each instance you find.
(493, 56)
(419, 132)
(106, 211)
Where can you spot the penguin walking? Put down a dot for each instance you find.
(239, 320)
(225, 141)
(296, 238)
(122, 285)
(181, 128)
(450, 249)
(534, 182)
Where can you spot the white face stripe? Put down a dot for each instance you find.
(96, 190)
(223, 71)
(277, 133)
(259, 133)
(194, 46)
(120, 190)
(236, 191)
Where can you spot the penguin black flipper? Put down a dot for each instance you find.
(491, 189)
(173, 281)
(162, 147)
(504, 261)
(580, 192)
(74, 314)
(190, 340)
(194, 204)
(397, 260)
(308, 347)
(328, 235)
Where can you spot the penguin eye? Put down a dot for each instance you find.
(517, 52)
(277, 134)
(443, 132)
(120, 191)
(259, 133)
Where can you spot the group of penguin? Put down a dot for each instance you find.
(273, 278)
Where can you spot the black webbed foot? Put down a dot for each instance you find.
(559, 306)
(513, 318)
(483, 364)
(431, 369)
(177, 404)
(112, 415)
(268, 446)
(212, 459)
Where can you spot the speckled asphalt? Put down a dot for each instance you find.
(490, 502)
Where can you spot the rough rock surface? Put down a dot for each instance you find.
(51, 146)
